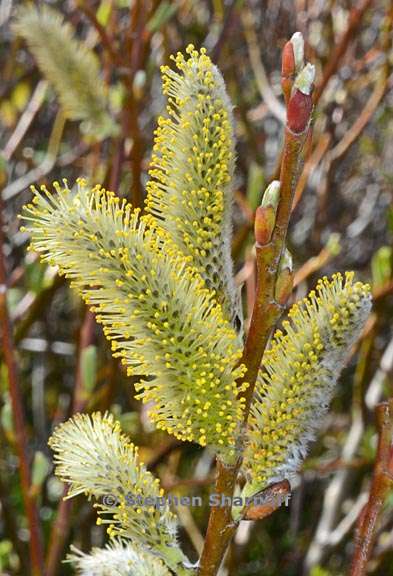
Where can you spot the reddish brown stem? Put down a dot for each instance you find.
(106, 41)
(266, 311)
(381, 486)
(61, 525)
(221, 527)
(35, 543)
(264, 316)
(58, 535)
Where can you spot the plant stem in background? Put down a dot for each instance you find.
(35, 544)
(381, 486)
(61, 525)
(335, 60)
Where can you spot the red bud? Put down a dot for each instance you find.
(270, 500)
(299, 111)
(265, 219)
(288, 67)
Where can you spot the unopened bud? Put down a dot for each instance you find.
(265, 215)
(266, 502)
(288, 66)
(299, 111)
(292, 60)
(284, 282)
(300, 103)
(288, 70)
(271, 196)
(297, 42)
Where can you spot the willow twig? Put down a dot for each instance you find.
(35, 544)
(381, 486)
(336, 57)
(45, 167)
(354, 22)
(107, 42)
(26, 119)
(265, 90)
(266, 312)
(61, 525)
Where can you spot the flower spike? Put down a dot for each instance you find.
(94, 457)
(190, 191)
(301, 368)
(117, 559)
(69, 65)
(161, 319)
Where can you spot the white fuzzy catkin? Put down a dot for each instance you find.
(69, 65)
(94, 457)
(117, 559)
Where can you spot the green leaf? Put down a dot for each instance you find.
(104, 12)
(41, 467)
(6, 418)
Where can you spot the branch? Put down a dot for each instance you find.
(381, 486)
(35, 544)
(266, 312)
(61, 525)
(105, 39)
(328, 526)
(354, 22)
(45, 167)
(26, 119)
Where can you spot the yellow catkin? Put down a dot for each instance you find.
(94, 457)
(189, 195)
(161, 319)
(300, 369)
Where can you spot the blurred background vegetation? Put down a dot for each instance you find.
(95, 117)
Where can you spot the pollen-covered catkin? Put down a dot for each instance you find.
(190, 192)
(94, 457)
(156, 310)
(299, 372)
